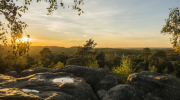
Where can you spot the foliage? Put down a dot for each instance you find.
(54, 66)
(157, 59)
(85, 55)
(146, 52)
(2, 65)
(100, 59)
(124, 69)
(173, 27)
(60, 58)
(153, 68)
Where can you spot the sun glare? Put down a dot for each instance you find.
(23, 39)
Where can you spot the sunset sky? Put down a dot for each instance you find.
(110, 23)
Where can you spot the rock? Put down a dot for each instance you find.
(91, 75)
(149, 96)
(78, 89)
(6, 80)
(122, 92)
(34, 71)
(163, 86)
(16, 94)
(107, 82)
(60, 96)
(12, 73)
(101, 94)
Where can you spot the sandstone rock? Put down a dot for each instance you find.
(122, 92)
(101, 94)
(12, 73)
(107, 82)
(91, 75)
(149, 96)
(163, 86)
(78, 89)
(60, 96)
(34, 71)
(16, 94)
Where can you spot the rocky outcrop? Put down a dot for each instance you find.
(163, 86)
(122, 92)
(91, 75)
(83, 83)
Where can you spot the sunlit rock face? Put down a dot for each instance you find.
(16, 94)
(49, 86)
(34, 71)
(163, 86)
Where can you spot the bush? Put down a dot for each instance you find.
(125, 68)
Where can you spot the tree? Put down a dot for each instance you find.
(60, 58)
(101, 59)
(3, 65)
(146, 52)
(46, 57)
(172, 27)
(124, 69)
(157, 59)
(13, 13)
(85, 55)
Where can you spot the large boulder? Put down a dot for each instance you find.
(162, 86)
(122, 92)
(34, 71)
(91, 75)
(49, 86)
(101, 94)
(108, 82)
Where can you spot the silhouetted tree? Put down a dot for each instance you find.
(173, 27)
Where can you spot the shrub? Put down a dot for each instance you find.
(125, 68)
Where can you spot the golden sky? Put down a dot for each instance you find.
(110, 23)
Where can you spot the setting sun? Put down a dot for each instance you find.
(25, 39)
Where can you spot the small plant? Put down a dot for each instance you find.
(125, 68)
(153, 68)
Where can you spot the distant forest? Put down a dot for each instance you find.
(34, 50)
(122, 61)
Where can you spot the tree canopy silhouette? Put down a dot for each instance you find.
(172, 27)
